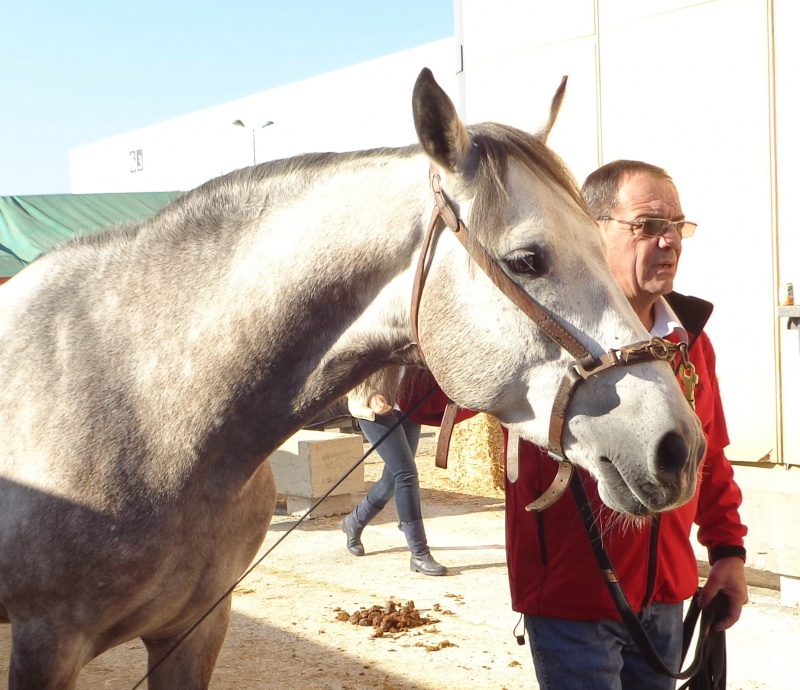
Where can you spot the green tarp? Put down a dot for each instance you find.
(29, 225)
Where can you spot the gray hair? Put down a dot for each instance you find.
(600, 188)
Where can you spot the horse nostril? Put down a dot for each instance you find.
(671, 459)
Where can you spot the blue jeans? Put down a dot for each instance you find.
(600, 655)
(400, 477)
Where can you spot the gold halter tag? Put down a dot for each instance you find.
(690, 379)
(688, 375)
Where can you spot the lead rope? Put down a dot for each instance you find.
(389, 432)
(708, 640)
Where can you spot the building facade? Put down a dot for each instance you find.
(364, 106)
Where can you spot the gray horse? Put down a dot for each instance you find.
(149, 371)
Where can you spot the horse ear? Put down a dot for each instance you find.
(440, 131)
(555, 106)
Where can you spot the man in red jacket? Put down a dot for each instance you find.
(577, 638)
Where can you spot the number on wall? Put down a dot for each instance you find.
(136, 160)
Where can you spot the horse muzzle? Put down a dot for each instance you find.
(669, 481)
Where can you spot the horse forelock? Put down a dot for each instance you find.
(495, 146)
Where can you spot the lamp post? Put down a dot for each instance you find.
(239, 123)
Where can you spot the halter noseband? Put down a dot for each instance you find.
(578, 371)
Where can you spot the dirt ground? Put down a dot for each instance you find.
(285, 633)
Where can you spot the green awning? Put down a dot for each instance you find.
(29, 225)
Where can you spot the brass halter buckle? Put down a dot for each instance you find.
(643, 351)
(659, 348)
(688, 375)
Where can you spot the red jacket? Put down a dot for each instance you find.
(551, 568)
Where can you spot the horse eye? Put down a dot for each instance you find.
(530, 264)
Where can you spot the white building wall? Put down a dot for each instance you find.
(787, 167)
(684, 85)
(364, 106)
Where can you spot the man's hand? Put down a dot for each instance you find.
(726, 576)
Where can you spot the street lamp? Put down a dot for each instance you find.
(239, 123)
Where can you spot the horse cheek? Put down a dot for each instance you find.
(472, 360)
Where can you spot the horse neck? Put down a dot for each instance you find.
(315, 298)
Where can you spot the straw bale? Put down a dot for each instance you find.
(476, 460)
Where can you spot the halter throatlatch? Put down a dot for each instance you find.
(579, 371)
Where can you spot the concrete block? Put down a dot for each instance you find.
(310, 462)
(333, 505)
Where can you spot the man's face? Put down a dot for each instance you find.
(644, 267)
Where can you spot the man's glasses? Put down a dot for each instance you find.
(656, 227)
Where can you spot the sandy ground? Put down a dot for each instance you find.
(284, 633)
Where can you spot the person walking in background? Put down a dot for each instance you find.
(373, 404)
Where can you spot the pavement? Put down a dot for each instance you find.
(466, 533)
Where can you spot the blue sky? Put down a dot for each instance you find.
(75, 72)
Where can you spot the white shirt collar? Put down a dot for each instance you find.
(666, 322)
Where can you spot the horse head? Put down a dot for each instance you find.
(630, 427)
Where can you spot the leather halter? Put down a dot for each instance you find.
(578, 371)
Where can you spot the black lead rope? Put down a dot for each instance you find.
(707, 670)
(712, 672)
(308, 512)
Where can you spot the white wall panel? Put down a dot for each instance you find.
(502, 27)
(613, 13)
(703, 113)
(787, 137)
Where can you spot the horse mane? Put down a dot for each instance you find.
(236, 198)
(244, 196)
(248, 192)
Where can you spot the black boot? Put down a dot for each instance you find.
(355, 523)
(421, 559)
